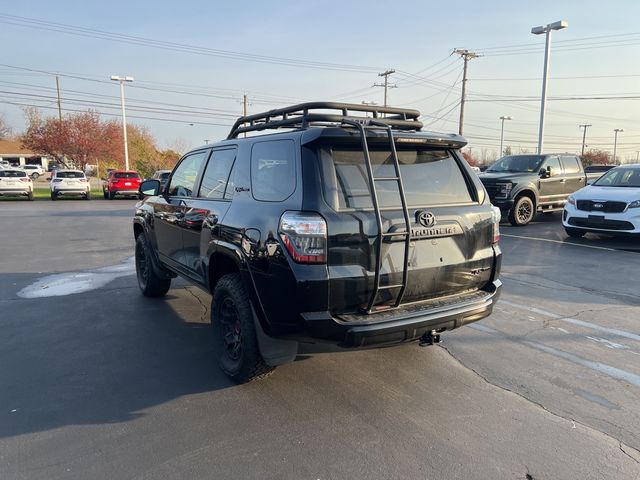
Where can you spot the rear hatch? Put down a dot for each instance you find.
(125, 181)
(450, 253)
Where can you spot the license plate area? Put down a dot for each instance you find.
(596, 219)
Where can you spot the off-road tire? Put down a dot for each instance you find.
(249, 364)
(151, 285)
(522, 212)
(574, 232)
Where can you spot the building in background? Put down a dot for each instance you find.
(12, 151)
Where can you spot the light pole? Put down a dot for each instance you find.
(584, 135)
(503, 118)
(559, 25)
(116, 78)
(615, 142)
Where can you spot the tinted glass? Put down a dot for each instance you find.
(69, 175)
(554, 163)
(12, 173)
(216, 175)
(517, 163)
(126, 175)
(430, 177)
(273, 170)
(570, 164)
(620, 177)
(165, 175)
(183, 179)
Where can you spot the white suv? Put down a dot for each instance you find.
(70, 183)
(34, 171)
(15, 182)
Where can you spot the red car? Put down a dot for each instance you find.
(121, 182)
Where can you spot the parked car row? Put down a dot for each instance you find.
(73, 183)
(599, 199)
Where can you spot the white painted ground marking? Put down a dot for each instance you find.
(69, 283)
(575, 321)
(608, 370)
(562, 243)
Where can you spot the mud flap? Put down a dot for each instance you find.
(274, 351)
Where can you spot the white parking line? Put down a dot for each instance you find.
(574, 321)
(561, 242)
(608, 370)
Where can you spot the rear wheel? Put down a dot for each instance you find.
(574, 232)
(87, 196)
(111, 195)
(235, 336)
(34, 176)
(54, 196)
(149, 282)
(522, 212)
(106, 195)
(30, 196)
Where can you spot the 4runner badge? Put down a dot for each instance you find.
(426, 227)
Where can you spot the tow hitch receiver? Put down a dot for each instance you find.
(429, 338)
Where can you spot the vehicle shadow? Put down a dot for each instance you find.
(99, 357)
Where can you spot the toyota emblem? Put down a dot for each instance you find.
(426, 219)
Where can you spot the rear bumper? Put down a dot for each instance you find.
(70, 191)
(401, 325)
(124, 192)
(15, 192)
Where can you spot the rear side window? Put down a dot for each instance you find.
(430, 177)
(184, 177)
(12, 174)
(216, 175)
(69, 175)
(126, 175)
(570, 164)
(273, 170)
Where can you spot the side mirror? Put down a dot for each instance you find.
(544, 173)
(149, 188)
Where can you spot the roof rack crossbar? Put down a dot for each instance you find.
(302, 116)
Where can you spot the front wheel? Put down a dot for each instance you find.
(522, 212)
(234, 332)
(34, 176)
(151, 285)
(574, 232)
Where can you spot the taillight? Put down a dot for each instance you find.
(25, 179)
(84, 180)
(56, 180)
(305, 236)
(496, 216)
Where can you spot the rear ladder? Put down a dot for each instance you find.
(407, 234)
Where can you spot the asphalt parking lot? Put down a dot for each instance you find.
(105, 383)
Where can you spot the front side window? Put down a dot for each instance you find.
(273, 170)
(216, 175)
(183, 180)
(429, 177)
(570, 164)
(554, 163)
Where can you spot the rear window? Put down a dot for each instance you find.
(430, 177)
(126, 175)
(12, 173)
(69, 175)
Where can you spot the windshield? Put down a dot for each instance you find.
(126, 175)
(517, 163)
(69, 175)
(430, 177)
(620, 177)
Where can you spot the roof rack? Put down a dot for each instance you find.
(329, 114)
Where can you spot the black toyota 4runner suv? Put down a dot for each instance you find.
(346, 225)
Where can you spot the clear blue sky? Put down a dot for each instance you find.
(407, 36)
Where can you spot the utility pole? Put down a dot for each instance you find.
(121, 80)
(244, 109)
(59, 103)
(637, 156)
(466, 56)
(615, 142)
(386, 83)
(503, 118)
(584, 134)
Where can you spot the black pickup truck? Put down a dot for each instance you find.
(522, 185)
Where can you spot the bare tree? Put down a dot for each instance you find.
(5, 129)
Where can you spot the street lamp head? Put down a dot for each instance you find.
(506, 118)
(618, 130)
(559, 25)
(128, 79)
(117, 78)
(538, 30)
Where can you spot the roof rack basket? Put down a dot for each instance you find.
(304, 115)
